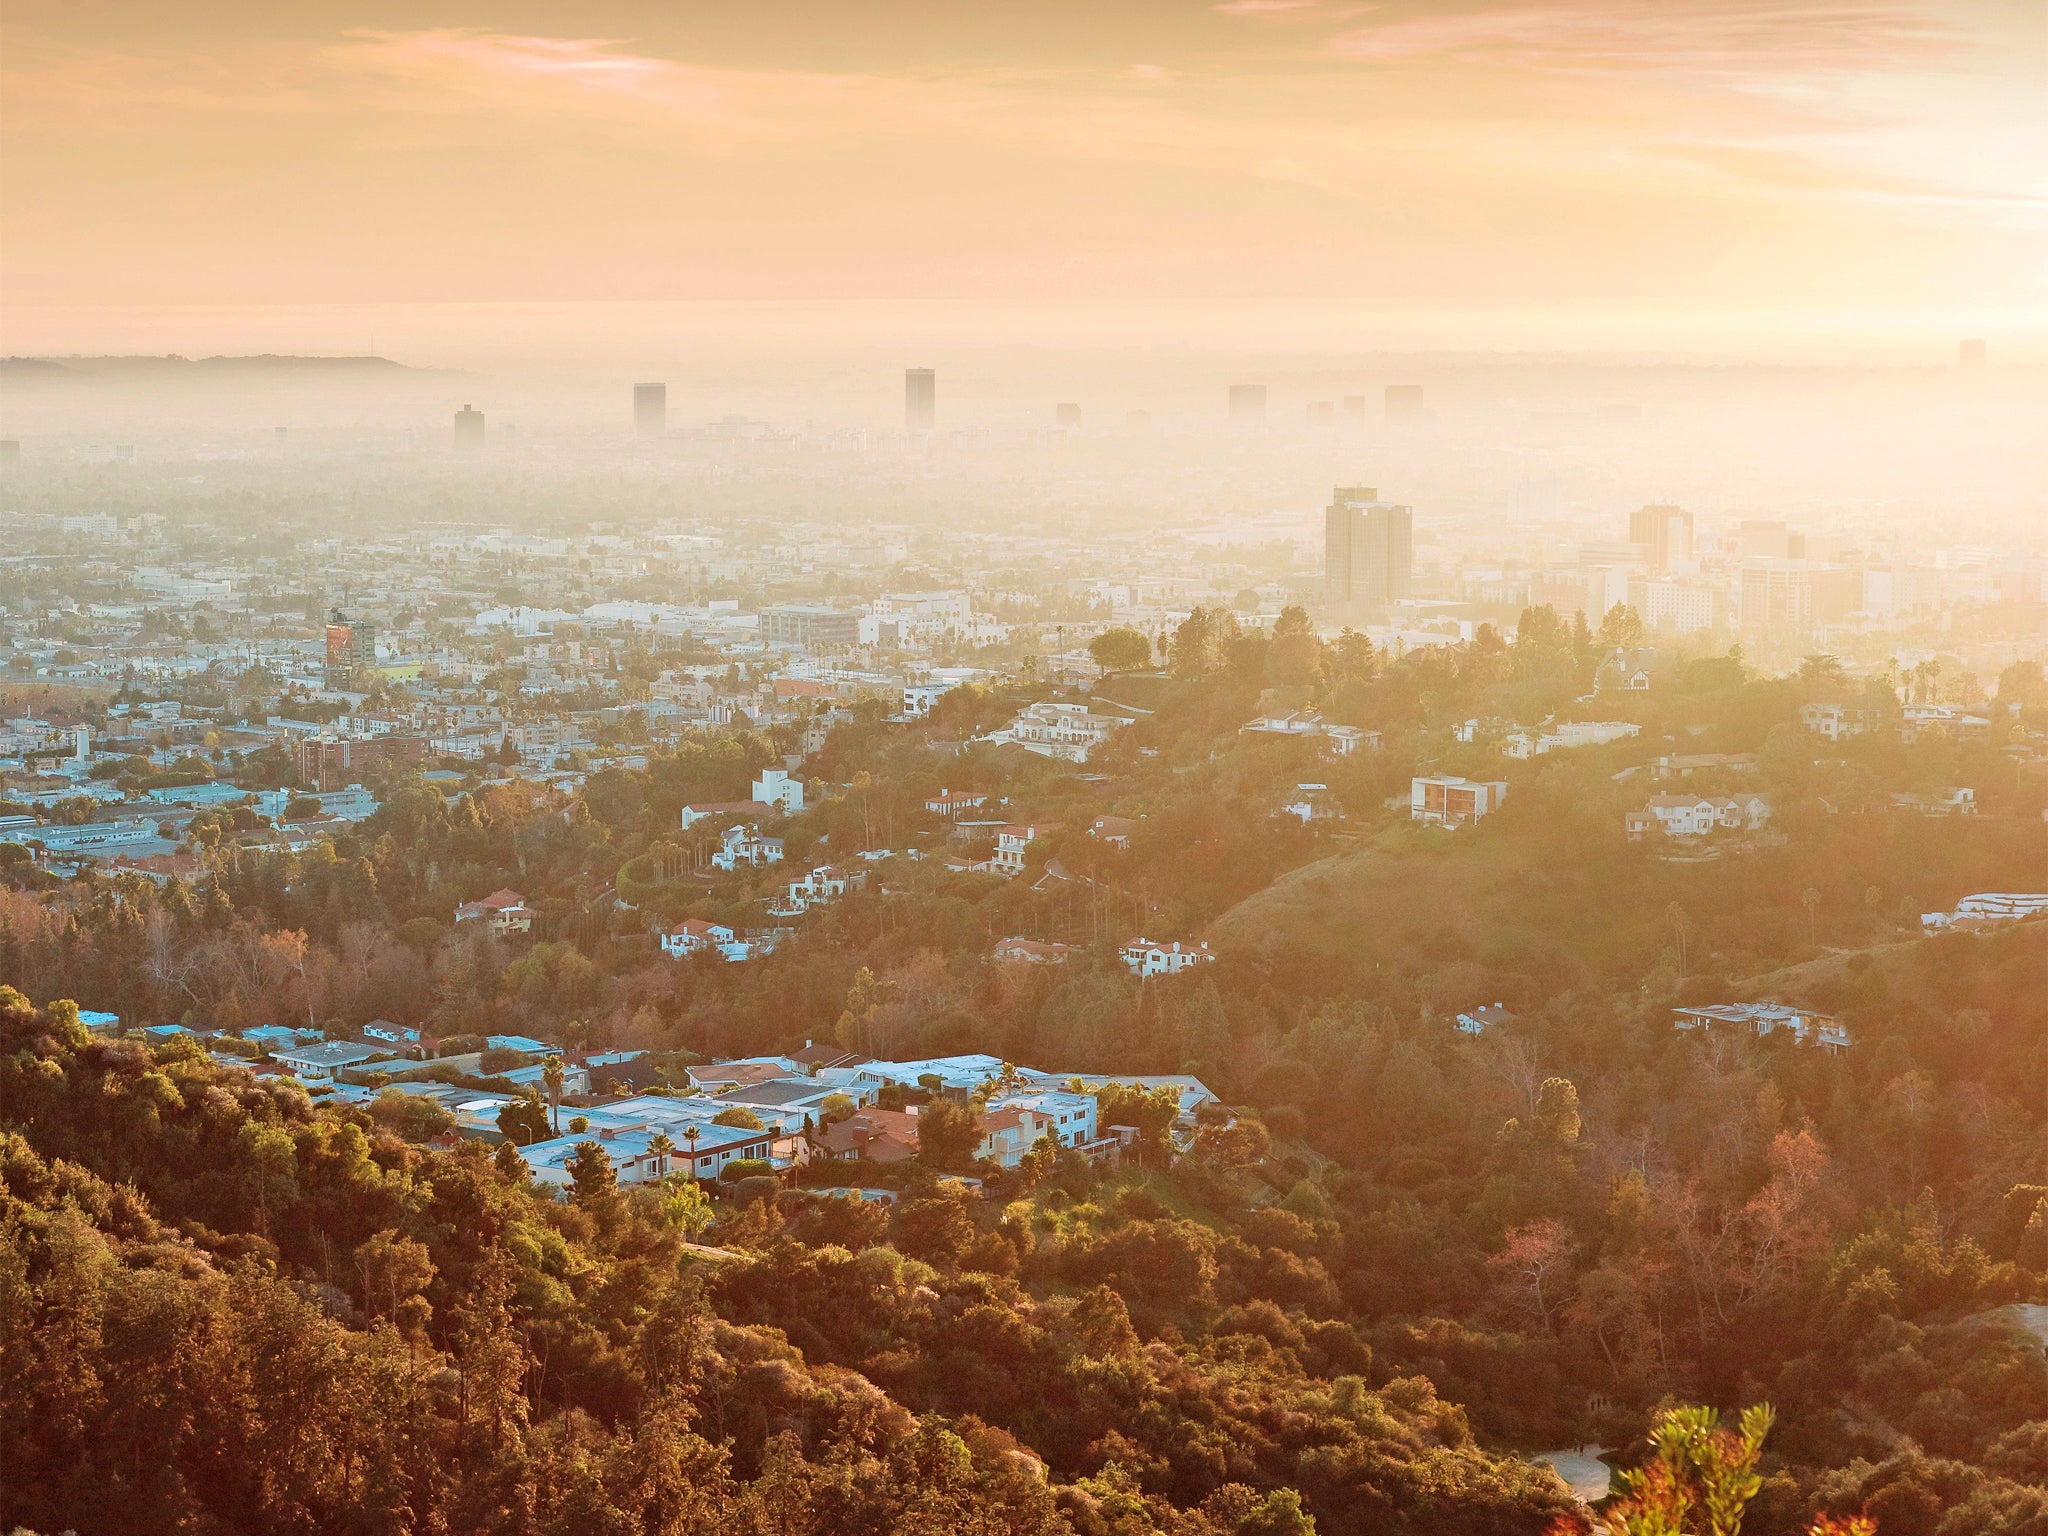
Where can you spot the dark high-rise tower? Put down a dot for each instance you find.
(469, 428)
(920, 399)
(650, 409)
(1368, 552)
(1665, 534)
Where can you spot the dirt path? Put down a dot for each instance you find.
(1589, 1478)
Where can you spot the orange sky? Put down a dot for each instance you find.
(1884, 163)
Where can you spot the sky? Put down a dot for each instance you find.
(301, 175)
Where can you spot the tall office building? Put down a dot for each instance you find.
(1665, 533)
(1404, 402)
(469, 428)
(920, 399)
(1066, 415)
(1248, 402)
(1368, 552)
(650, 409)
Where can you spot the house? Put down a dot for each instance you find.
(1534, 741)
(391, 1034)
(823, 884)
(718, 1076)
(575, 1079)
(1763, 1018)
(777, 789)
(1961, 800)
(97, 1022)
(1337, 740)
(1147, 959)
(815, 1058)
(953, 803)
(1988, 908)
(745, 845)
(503, 912)
(1344, 740)
(608, 1070)
(635, 1158)
(1312, 802)
(1917, 720)
(1068, 732)
(695, 936)
(525, 1045)
(1012, 843)
(1696, 816)
(788, 1104)
(1836, 722)
(1114, 830)
(1478, 1021)
(319, 1063)
(1450, 800)
(1012, 1124)
(270, 1037)
(879, 1135)
(1030, 952)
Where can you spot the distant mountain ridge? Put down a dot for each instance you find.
(263, 362)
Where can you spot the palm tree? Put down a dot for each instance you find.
(551, 1074)
(1810, 899)
(690, 1134)
(660, 1146)
(1681, 925)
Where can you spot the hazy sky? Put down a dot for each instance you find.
(1137, 167)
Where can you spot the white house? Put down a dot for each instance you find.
(1013, 841)
(1068, 732)
(1020, 951)
(318, 1063)
(693, 936)
(745, 845)
(1147, 959)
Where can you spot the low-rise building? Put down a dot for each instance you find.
(1015, 951)
(1806, 1026)
(1147, 959)
(504, 912)
(1450, 800)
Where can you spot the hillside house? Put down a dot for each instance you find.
(1030, 952)
(1450, 800)
(1013, 842)
(1147, 959)
(695, 936)
(1806, 1026)
(503, 912)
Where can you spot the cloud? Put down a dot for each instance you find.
(1738, 36)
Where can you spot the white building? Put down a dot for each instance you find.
(1068, 732)
(1147, 959)
(1450, 800)
(776, 788)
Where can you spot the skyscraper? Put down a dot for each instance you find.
(469, 428)
(650, 409)
(1666, 536)
(1368, 552)
(920, 399)
(1248, 402)
(1066, 415)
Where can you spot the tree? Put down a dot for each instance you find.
(1536, 1258)
(552, 1074)
(524, 1121)
(947, 1134)
(591, 1176)
(1122, 649)
(1622, 628)
(1810, 899)
(1701, 1478)
(738, 1115)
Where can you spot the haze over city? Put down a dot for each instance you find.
(1170, 768)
